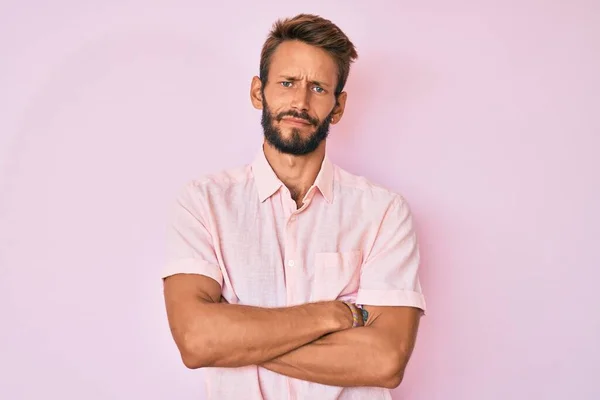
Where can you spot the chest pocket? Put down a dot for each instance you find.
(336, 276)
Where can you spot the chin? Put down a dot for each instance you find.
(303, 132)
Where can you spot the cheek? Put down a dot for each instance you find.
(277, 96)
(326, 110)
(275, 106)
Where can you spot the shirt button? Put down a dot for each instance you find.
(291, 263)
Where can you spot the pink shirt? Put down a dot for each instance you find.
(351, 239)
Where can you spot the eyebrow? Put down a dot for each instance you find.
(293, 78)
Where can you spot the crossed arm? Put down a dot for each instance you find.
(313, 342)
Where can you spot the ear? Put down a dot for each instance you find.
(256, 93)
(338, 110)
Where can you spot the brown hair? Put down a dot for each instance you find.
(315, 31)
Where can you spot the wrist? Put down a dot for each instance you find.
(357, 315)
(342, 316)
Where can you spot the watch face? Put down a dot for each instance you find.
(365, 314)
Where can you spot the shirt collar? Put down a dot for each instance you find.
(324, 180)
(267, 182)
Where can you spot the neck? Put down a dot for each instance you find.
(298, 173)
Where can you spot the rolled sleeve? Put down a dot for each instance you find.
(390, 272)
(193, 266)
(190, 248)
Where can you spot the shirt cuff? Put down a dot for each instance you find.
(391, 298)
(193, 266)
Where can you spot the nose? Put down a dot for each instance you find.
(301, 98)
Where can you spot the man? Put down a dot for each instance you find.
(275, 266)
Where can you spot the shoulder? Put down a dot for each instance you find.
(367, 190)
(216, 183)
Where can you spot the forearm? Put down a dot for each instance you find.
(353, 357)
(228, 335)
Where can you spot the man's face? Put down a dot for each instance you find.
(298, 101)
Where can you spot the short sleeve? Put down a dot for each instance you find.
(390, 272)
(190, 248)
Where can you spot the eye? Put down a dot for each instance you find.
(319, 89)
(286, 84)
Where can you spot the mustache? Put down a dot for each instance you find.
(300, 115)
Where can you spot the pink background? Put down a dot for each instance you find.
(484, 115)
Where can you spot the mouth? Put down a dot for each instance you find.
(295, 121)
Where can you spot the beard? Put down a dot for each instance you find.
(296, 144)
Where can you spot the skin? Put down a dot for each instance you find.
(313, 342)
(301, 78)
(212, 333)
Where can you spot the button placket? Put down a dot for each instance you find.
(291, 261)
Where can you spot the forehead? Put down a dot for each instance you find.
(295, 58)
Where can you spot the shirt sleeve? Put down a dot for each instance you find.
(390, 272)
(190, 248)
